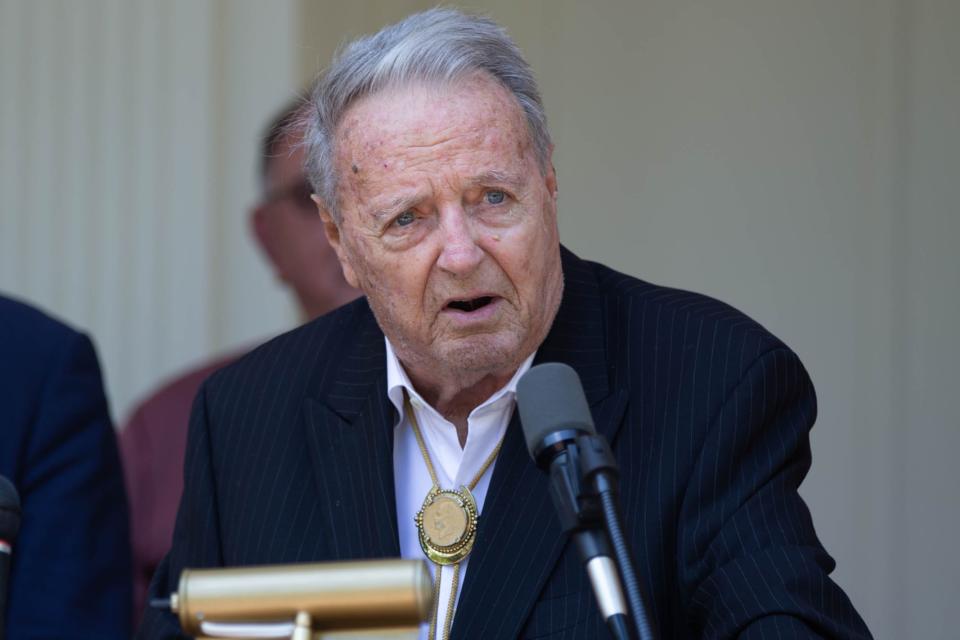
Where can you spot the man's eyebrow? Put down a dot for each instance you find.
(497, 177)
(402, 203)
(398, 204)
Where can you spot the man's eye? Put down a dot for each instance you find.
(405, 218)
(495, 197)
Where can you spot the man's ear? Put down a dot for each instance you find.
(332, 230)
(551, 174)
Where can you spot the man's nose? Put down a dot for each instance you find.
(460, 253)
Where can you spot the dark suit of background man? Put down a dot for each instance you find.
(70, 572)
(431, 161)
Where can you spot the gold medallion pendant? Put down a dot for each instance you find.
(447, 524)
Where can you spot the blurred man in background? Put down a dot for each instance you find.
(290, 233)
(70, 563)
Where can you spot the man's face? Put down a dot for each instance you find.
(291, 233)
(449, 225)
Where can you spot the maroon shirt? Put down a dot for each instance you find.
(152, 446)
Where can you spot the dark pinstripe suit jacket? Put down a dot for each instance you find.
(290, 460)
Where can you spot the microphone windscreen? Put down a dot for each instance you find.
(550, 398)
(9, 511)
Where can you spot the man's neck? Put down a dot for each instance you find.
(455, 399)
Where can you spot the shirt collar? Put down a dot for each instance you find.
(398, 382)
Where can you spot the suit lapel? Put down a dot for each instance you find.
(351, 441)
(519, 539)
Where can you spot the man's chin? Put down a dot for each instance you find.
(483, 354)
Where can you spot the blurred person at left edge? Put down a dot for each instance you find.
(70, 572)
(289, 232)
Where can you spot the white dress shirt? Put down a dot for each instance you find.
(454, 465)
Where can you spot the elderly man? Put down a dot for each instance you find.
(431, 161)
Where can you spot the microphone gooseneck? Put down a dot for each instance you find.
(611, 517)
(562, 441)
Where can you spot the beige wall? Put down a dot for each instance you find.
(797, 159)
(127, 151)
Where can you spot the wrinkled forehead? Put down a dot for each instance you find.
(422, 114)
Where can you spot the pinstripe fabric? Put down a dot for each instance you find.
(290, 459)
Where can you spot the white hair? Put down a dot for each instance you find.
(438, 45)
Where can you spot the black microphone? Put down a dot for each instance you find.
(9, 528)
(555, 419)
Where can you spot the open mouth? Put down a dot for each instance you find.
(470, 305)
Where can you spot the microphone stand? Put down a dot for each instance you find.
(598, 469)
